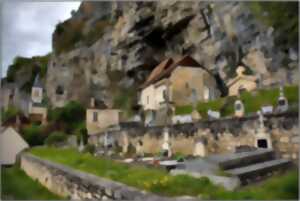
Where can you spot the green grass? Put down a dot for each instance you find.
(16, 185)
(252, 102)
(160, 182)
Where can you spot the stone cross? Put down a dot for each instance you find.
(260, 119)
(194, 99)
(105, 140)
(81, 145)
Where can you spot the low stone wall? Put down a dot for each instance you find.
(77, 185)
(220, 136)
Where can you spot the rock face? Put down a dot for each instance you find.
(141, 34)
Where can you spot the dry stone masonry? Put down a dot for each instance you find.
(77, 185)
(217, 136)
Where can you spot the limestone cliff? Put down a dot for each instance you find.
(108, 48)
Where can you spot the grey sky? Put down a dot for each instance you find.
(27, 28)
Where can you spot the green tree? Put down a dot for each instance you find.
(283, 16)
(33, 134)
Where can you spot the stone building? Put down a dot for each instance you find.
(183, 79)
(37, 108)
(241, 82)
(172, 83)
(98, 118)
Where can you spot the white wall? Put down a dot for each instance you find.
(11, 144)
(37, 94)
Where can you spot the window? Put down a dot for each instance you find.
(238, 106)
(36, 93)
(147, 99)
(281, 102)
(187, 86)
(164, 94)
(59, 90)
(95, 116)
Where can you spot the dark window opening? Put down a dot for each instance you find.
(238, 106)
(155, 39)
(95, 116)
(262, 143)
(59, 90)
(281, 102)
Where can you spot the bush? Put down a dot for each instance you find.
(33, 134)
(70, 116)
(89, 149)
(56, 138)
(9, 113)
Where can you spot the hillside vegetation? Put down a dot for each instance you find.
(283, 16)
(26, 69)
(252, 102)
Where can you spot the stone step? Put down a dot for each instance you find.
(259, 169)
(235, 160)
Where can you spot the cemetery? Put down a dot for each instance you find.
(152, 101)
(153, 180)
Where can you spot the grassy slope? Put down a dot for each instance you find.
(17, 185)
(160, 182)
(252, 102)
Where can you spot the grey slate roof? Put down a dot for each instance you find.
(37, 82)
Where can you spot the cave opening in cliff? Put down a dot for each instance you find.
(154, 38)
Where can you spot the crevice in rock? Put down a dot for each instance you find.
(176, 28)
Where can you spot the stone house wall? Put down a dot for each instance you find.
(184, 79)
(105, 118)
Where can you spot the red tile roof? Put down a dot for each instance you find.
(165, 68)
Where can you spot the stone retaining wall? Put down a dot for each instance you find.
(77, 185)
(221, 135)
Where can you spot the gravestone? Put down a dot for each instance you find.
(125, 142)
(81, 145)
(282, 103)
(268, 109)
(262, 138)
(72, 141)
(239, 109)
(200, 147)
(139, 148)
(213, 114)
(166, 147)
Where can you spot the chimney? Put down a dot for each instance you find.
(92, 102)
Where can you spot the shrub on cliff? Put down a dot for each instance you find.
(29, 67)
(56, 138)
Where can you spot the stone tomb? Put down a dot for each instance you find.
(262, 138)
(282, 103)
(200, 147)
(166, 147)
(239, 109)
